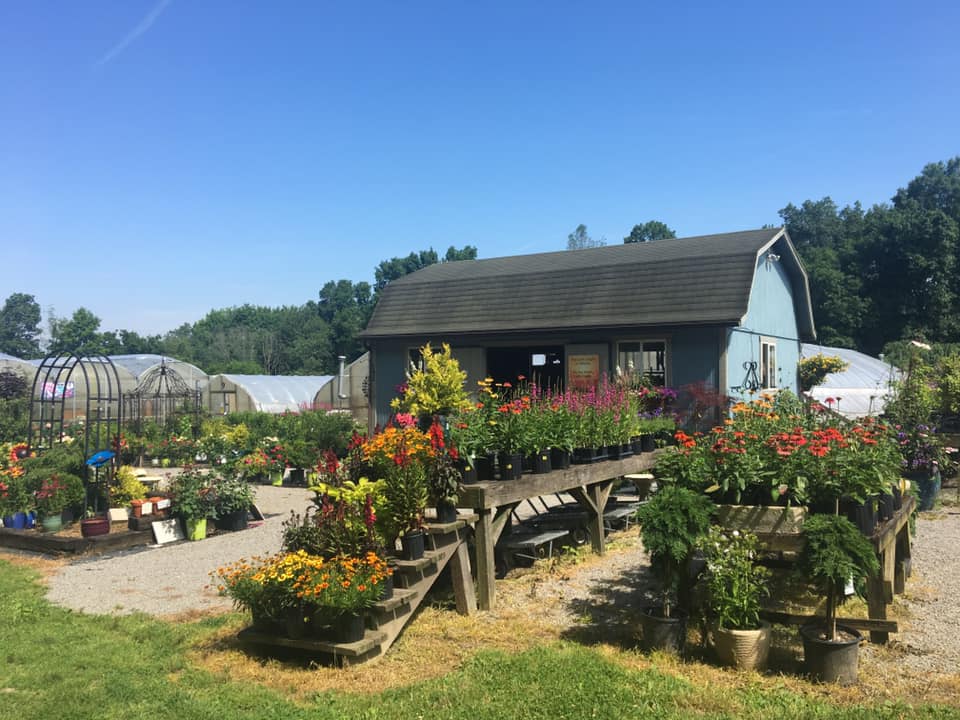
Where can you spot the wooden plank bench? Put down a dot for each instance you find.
(619, 516)
(531, 546)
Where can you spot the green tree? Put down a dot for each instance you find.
(831, 242)
(346, 308)
(580, 239)
(653, 230)
(910, 276)
(20, 326)
(80, 334)
(397, 267)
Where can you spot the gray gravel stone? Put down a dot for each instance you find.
(172, 579)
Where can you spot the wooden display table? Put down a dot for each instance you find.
(494, 501)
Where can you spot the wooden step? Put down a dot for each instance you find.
(429, 558)
(400, 597)
(342, 652)
(389, 616)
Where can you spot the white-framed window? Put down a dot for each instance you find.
(768, 364)
(644, 357)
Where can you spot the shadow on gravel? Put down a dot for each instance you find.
(611, 616)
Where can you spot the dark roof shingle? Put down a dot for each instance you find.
(696, 280)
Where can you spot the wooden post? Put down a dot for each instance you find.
(486, 565)
(594, 498)
(462, 579)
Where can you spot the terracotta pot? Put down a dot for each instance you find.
(91, 527)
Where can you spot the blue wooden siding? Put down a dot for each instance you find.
(694, 356)
(390, 364)
(770, 314)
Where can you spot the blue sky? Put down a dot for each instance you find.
(159, 159)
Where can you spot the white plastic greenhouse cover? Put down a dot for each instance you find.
(279, 393)
(137, 365)
(862, 388)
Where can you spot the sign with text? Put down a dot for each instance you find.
(583, 371)
(165, 531)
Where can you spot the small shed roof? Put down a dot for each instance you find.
(862, 389)
(280, 393)
(686, 281)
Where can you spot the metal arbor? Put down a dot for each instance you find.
(160, 394)
(96, 385)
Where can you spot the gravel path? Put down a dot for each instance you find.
(172, 579)
(929, 637)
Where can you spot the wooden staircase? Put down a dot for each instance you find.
(447, 544)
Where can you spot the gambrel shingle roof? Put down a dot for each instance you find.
(704, 280)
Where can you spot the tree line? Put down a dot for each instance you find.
(877, 277)
(290, 340)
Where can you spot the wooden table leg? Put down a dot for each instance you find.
(880, 592)
(462, 578)
(486, 563)
(594, 498)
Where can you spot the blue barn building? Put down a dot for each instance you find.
(729, 311)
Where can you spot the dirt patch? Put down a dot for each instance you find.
(45, 566)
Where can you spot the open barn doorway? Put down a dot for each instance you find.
(543, 365)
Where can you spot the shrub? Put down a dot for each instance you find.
(126, 487)
(672, 525)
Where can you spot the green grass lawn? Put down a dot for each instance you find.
(59, 664)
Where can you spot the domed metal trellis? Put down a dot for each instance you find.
(56, 382)
(160, 394)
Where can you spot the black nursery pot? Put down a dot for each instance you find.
(233, 521)
(468, 471)
(559, 459)
(413, 544)
(511, 466)
(648, 443)
(484, 467)
(446, 512)
(541, 462)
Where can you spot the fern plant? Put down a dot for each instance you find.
(672, 524)
(835, 552)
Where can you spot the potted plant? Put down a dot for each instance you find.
(192, 501)
(348, 519)
(300, 455)
(835, 553)
(434, 388)
(125, 488)
(469, 435)
(672, 524)
(510, 435)
(310, 595)
(232, 498)
(443, 479)
(405, 499)
(561, 427)
(735, 587)
(55, 494)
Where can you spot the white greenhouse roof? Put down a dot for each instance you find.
(862, 389)
(279, 393)
(137, 365)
